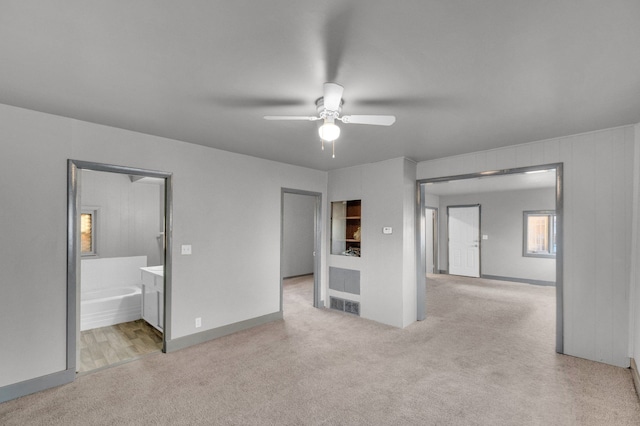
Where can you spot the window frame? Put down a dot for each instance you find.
(525, 232)
(94, 225)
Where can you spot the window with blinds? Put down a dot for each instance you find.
(88, 233)
(539, 233)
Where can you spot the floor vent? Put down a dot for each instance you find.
(347, 306)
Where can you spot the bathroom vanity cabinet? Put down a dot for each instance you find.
(153, 295)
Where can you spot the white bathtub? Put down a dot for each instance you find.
(109, 306)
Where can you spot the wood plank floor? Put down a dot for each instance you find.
(114, 344)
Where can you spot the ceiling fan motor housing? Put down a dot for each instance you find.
(325, 113)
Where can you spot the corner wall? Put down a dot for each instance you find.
(598, 194)
(387, 266)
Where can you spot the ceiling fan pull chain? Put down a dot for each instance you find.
(333, 150)
(322, 140)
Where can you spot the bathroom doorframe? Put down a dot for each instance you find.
(317, 252)
(74, 183)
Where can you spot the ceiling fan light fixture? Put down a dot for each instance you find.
(329, 131)
(329, 108)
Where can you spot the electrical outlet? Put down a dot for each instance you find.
(198, 322)
(186, 249)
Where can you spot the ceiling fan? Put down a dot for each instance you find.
(329, 107)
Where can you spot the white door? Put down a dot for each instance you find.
(464, 241)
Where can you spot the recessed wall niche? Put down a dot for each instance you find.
(345, 227)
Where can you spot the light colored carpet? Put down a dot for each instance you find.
(484, 356)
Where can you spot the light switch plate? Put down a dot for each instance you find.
(485, 237)
(186, 249)
(387, 230)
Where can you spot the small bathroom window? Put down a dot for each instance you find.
(88, 220)
(539, 233)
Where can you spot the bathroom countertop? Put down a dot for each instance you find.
(157, 270)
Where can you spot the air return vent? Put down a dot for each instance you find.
(348, 306)
(337, 303)
(352, 307)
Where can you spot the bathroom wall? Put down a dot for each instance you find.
(111, 272)
(129, 218)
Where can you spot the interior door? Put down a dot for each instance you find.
(464, 240)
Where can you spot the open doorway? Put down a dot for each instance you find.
(300, 249)
(513, 202)
(119, 263)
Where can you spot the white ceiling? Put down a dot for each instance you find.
(460, 76)
(510, 182)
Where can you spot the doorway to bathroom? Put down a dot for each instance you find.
(119, 263)
(300, 250)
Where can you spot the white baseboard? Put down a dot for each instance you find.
(636, 376)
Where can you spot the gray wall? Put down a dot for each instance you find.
(598, 171)
(501, 220)
(215, 199)
(298, 234)
(387, 266)
(634, 296)
(130, 216)
(215, 195)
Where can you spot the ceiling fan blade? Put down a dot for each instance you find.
(332, 96)
(255, 101)
(336, 34)
(431, 101)
(377, 120)
(290, 117)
